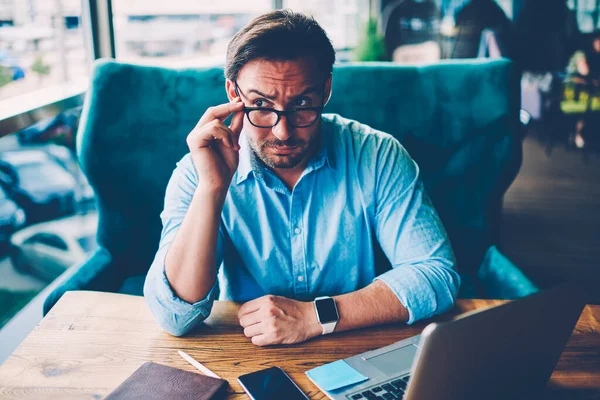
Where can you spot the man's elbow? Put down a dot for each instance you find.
(173, 321)
(174, 329)
(447, 287)
(454, 284)
(178, 325)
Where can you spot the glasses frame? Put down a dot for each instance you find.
(286, 113)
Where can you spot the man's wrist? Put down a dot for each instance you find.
(211, 195)
(312, 322)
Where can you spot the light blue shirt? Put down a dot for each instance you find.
(316, 240)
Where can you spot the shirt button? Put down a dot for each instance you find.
(297, 231)
(300, 278)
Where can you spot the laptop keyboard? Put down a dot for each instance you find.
(390, 390)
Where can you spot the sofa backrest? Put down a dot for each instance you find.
(458, 120)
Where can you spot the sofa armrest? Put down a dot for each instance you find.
(92, 274)
(501, 279)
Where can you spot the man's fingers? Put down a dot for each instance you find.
(254, 330)
(220, 112)
(227, 137)
(260, 340)
(250, 319)
(237, 122)
(206, 135)
(249, 307)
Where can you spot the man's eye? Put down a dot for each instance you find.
(259, 103)
(301, 102)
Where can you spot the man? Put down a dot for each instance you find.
(472, 19)
(585, 77)
(287, 201)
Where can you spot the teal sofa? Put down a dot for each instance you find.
(459, 120)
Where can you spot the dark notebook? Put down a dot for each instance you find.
(156, 381)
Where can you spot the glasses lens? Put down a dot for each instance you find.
(300, 118)
(262, 118)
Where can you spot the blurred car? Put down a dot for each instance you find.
(11, 63)
(59, 129)
(47, 249)
(12, 217)
(37, 183)
(84, 194)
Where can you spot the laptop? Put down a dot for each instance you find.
(503, 352)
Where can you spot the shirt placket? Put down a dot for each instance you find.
(297, 245)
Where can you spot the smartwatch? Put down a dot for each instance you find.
(327, 313)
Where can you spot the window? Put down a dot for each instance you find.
(42, 46)
(343, 20)
(191, 33)
(179, 33)
(41, 185)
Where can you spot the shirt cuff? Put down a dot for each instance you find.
(173, 313)
(415, 291)
(180, 306)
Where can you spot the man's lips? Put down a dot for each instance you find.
(284, 149)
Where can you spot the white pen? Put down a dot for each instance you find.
(198, 366)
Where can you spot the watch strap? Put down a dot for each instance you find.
(328, 327)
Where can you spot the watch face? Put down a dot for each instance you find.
(326, 310)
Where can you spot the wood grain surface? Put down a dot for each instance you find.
(90, 342)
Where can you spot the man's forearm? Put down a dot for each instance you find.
(273, 319)
(373, 305)
(190, 264)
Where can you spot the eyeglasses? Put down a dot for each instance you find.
(264, 117)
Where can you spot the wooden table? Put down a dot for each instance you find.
(90, 342)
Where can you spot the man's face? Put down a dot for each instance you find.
(282, 85)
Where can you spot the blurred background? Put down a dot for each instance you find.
(47, 211)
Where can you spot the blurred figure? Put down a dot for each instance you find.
(412, 29)
(546, 34)
(471, 20)
(588, 66)
(585, 76)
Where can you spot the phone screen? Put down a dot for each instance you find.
(271, 384)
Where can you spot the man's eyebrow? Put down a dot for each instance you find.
(306, 91)
(315, 89)
(261, 94)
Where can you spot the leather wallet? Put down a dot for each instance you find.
(155, 381)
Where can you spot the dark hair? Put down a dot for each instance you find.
(280, 35)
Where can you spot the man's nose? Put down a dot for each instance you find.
(283, 131)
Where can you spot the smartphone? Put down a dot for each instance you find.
(271, 384)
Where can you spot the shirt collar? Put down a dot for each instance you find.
(249, 162)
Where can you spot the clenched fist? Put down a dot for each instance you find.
(272, 320)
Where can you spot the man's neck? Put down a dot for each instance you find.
(290, 176)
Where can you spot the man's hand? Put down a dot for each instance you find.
(278, 320)
(214, 146)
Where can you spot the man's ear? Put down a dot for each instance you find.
(230, 90)
(327, 91)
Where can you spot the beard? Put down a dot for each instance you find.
(267, 151)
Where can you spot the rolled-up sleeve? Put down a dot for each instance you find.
(173, 314)
(411, 235)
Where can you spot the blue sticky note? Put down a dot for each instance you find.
(335, 375)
